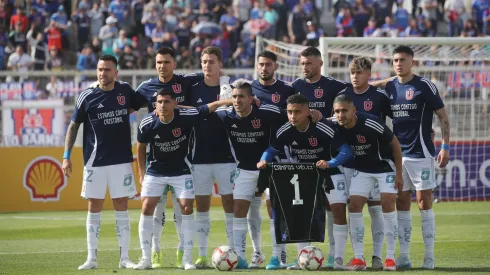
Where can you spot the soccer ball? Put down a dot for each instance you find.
(310, 258)
(224, 258)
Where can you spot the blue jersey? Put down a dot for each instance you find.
(413, 105)
(106, 128)
(312, 145)
(250, 135)
(169, 142)
(321, 93)
(210, 144)
(369, 140)
(374, 101)
(275, 94)
(179, 83)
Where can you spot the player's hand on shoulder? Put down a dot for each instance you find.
(94, 84)
(262, 164)
(322, 164)
(316, 115)
(256, 101)
(66, 167)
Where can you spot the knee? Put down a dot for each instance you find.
(403, 201)
(424, 202)
(187, 209)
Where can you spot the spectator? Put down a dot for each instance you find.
(470, 28)
(177, 5)
(40, 53)
(137, 10)
(224, 45)
(389, 28)
(282, 22)
(60, 18)
(116, 9)
(297, 25)
(137, 51)
(370, 30)
(478, 8)
(19, 17)
(204, 15)
(127, 60)
(54, 36)
(230, 21)
(52, 6)
(171, 20)
(150, 20)
(188, 15)
(183, 33)
(309, 9)
(82, 27)
(257, 12)
(218, 8)
(313, 35)
(54, 85)
(148, 59)
(455, 12)
(486, 20)
(412, 30)
(121, 41)
(401, 16)
(108, 34)
(37, 18)
(381, 8)
(18, 37)
(85, 4)
(361, 17)
(3, 55)
(429, 11)
(157, 35)
(271, 16)
(96, 47)
(184, 60)
(344, 23)
(242, 10)
(86, 60)
(55, 62)
(19, 61)
(96, 19)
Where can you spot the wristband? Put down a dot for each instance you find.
(445, 147)
(66, 155)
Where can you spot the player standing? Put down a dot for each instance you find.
(248, 128)
(374, 101)
(104, 112)
(212, 159)
(375, 147)
(414, 99)
(165, 65)
(168, 135)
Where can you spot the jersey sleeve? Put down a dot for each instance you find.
(275, 114)
(386, 105)
(81, 107)
(337, 140)
(387, 136)
(280, 138)
(136, 100)
(431, 94)
(193, 78)
(221, 113)
(143, 129)
(194, 115)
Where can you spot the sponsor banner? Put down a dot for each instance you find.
(468, 80)
(28, 90)
(32, 180)
(467, 176)
(33, 123)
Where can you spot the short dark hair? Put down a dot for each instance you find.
(166, 91)
(243, 84)
(311, 51)
(166, 50)
(268, 54)
(343, 99)
(297, 99)
(403, 49)
(109, 57)
(213, 50)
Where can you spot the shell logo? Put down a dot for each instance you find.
(44, 179)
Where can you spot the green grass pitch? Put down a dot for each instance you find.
(54, 242)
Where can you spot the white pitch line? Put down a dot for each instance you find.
(169, 247)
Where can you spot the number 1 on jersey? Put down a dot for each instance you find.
(297, 199)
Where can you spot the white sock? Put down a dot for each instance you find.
(229, 228)
(203, 224)
(276, 249)
(145, 229)
(340, 234)
(158, 223)
(93, 231)
(178, 221)
(240, 236)
(331, 239)
(357, 234)
(428, 231)
(377, 227)
(188, 230)
(300, 246)
(123, 231)
(391, 232)
(254, 221)
(404, 232)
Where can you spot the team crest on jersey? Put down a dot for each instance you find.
(256, 123)
(276, 98)
(318, 93)
(177, 88)
(361, 139)
(368, 105)
(176, 132)
(121, 100)
(313, 141)
(409, 94)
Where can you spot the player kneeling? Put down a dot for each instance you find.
(375, 147)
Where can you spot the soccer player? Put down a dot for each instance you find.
(248, 128)
(168, 135)
(375, 148)
(311, 142)
(268, 90)
(104, 112)
(414, 99)
(212, 159)
(375, 101)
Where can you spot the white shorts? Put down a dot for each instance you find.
(154, 186)
(362, 184)
(418, 174)
(339, 194)
(245, 184)
(119, 178)
(374, 194)
(206, 174)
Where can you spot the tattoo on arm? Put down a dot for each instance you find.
(445, 130)
(71, 135)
